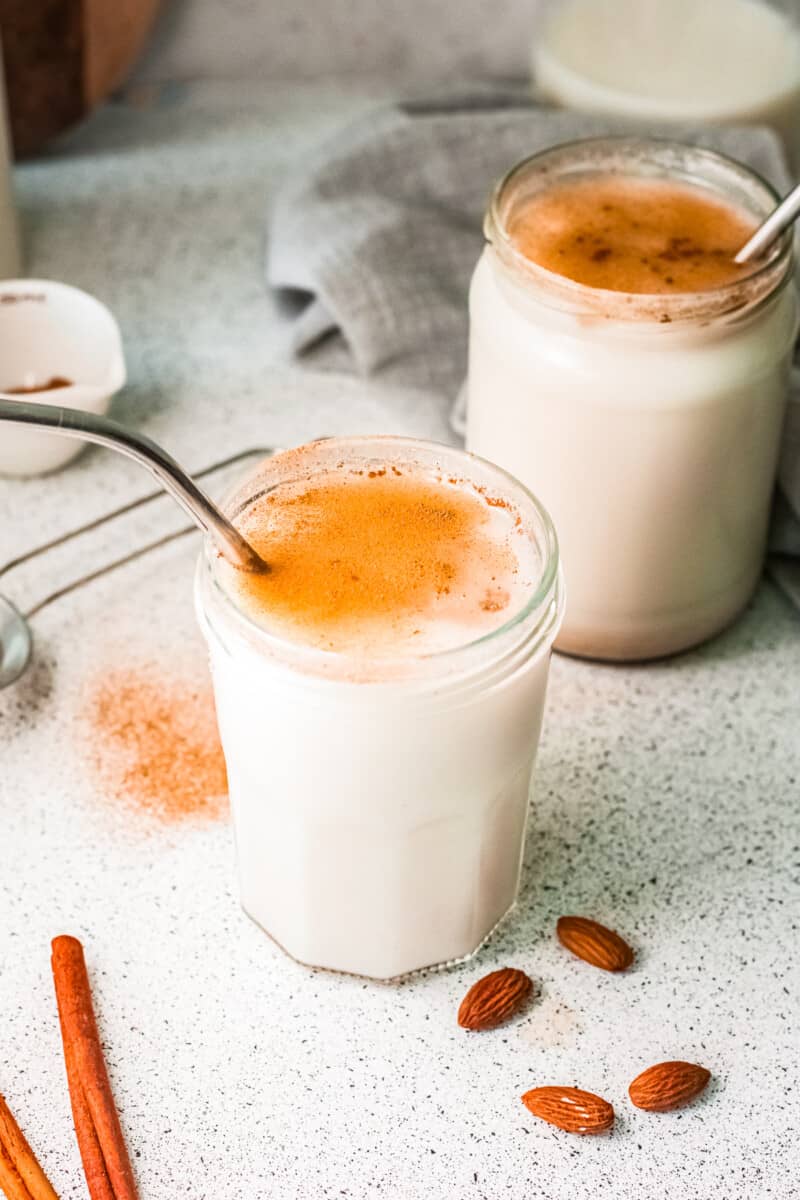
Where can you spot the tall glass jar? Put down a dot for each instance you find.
(379, 807)
(648, 424)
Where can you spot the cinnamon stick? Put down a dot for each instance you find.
(93, 1103)
(94, 1168)
(14, 1147)
(10, 1179)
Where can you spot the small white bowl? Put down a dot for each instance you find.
(50, 330)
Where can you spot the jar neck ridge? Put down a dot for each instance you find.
(646, 158)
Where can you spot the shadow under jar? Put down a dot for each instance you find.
(649, 422)
(379, 791)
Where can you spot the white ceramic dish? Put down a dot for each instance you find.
(50, 330)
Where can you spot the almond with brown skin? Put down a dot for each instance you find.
(594, 943)
(570, 1109)
(494, 999)
(668, 1085)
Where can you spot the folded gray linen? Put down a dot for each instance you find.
(373, 239)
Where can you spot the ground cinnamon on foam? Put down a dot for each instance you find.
(633, 235)
(153, 745)
(380, 549)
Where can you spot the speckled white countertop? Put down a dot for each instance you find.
(666, 805)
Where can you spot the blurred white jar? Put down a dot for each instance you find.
(10, 259)
(650, 423)
(731, 61)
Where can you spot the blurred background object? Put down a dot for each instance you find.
(63, 57)
(733, 61)
(58, 345)
(10, 260)
(417, 43)
(655, 60)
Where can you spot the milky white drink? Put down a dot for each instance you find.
(734, 61)
(380, 695)
(621, 360)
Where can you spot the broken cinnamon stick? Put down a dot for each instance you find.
(19, 1167)
(86, 1066)
(10, 1178)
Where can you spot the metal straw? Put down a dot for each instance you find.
(774, 227)
(104, 432)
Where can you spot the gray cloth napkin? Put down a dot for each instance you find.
(373, 240)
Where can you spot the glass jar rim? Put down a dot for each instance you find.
(597, 154)
(538, 609)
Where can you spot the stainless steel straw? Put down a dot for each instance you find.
(104, 432)
(770, 230)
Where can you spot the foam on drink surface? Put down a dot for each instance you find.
(634, 235)
(385, 561)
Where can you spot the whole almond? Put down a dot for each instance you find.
(570, 1109)
(668, 1085)
(495, 998)
(594, 943)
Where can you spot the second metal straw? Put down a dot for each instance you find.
(774, 227)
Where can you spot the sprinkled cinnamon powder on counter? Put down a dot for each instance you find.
(153, 746)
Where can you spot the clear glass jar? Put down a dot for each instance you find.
(679, 61)
(380, 807)
(648, 424)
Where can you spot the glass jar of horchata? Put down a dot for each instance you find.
(622, 366)
(674, 61)
(380, 694)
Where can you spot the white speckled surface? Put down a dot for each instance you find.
(666, 804)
